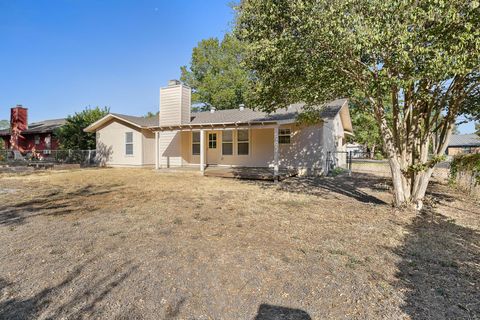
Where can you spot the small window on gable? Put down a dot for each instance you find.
(243, 142)
(195, 143)
(284, 136)
(129, 143)
(227, 143)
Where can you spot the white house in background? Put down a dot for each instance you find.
(239, 137)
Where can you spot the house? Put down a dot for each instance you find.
(233, 138)
(25, 137)
(463, 143)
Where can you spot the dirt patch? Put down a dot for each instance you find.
(138, 244)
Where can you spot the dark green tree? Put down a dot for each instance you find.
(421, 57)
(216, 74)
(72, 136)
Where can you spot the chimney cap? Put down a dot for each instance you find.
(173, 82)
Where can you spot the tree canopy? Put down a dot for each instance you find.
(419, 59)
(72, 136)
(215, 73)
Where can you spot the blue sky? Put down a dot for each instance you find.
(57, 57)
(60, 56)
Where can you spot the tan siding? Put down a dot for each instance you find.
(170, 148)
(148, 147)
(175, 104)
(111, 144)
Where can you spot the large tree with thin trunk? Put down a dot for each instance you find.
(417, 59)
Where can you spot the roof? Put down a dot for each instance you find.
(289, 114)
(464, 140)
(139, 122)
(45, 126)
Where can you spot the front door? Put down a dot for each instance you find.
(213, 147)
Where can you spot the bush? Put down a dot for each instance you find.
(465, 162)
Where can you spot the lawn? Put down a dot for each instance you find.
(140, 244)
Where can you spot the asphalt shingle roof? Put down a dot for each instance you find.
(39, 127)
(328, 111)
(464, 140)
(140, 121)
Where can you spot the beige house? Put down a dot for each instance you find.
(232, 138)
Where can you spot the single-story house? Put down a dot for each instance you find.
(234, 138)
(38, 135)
(463, 143)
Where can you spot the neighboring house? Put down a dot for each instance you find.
(25, 137)
(463, 143)
(240, 137)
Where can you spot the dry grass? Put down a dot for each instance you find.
(138, 244)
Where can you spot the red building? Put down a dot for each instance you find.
(26, 137)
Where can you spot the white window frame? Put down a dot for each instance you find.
(282, 133)
(231, 142)
(128, 143)
(196, 143)
(243, 141)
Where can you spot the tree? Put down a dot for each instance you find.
(477, 128)
(72, 136)
(419, 56)
(367, 131)
(4, 124)
(216, 74)
(152, 114)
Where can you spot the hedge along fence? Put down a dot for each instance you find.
(465, 173)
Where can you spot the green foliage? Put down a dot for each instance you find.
(477, 128)
(152, 114)
(465, 162)
(365, 126)
(216, 73)
(4, 124)
(72, 136)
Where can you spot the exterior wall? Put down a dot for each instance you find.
(175, 104)
(28, 143)
(111, 144)
(170, 149)
(148, 147)
(452, 151)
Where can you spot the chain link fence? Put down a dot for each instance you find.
(48, 157)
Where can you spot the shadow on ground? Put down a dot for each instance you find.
(270, 312)
(55, 203)
(439, 271)
(58, 302)
(350, 186)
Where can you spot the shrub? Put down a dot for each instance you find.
(465, 162)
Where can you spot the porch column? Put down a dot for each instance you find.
(202, 151)
(157, 157)
(275, 154)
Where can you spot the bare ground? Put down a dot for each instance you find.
(139, 244)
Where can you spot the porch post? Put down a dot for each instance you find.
(275, 154)
(157, 158)
(202, 151)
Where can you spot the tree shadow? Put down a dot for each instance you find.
(82, 303)
(54, 203)
(439, 271)
(270, 312)
(324, 187)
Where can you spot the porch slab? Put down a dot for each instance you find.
(249, 173)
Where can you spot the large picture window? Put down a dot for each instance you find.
(196, 143)
(129, 143)
(227, 143)
(242, 142)
(284, 136)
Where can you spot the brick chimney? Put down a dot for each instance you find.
(19, 117)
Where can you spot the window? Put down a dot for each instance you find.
(196, 143)
(242, 142)
(212, 140)
(129, 143)
(37, 139)
(227, 143)
(284, 136)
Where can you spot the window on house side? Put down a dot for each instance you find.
(227, 143)
(195, 143)
(37, 139)
(129, 143)
(242, 142)
(284, 136)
